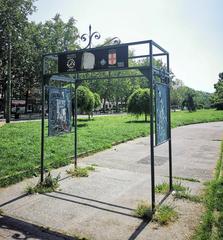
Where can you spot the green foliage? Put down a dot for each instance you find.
(189, 102)
(49, 184)
(186, 179)
(29, 41)
(211, 226)
(217, 99)
(143, 211)
(164, 187)
(180, 191)
(13, 25)
(85, 100)
(165, 214)
(188, 196)
(180, 97)
(139, 102)
(81, 171)
(97, 100)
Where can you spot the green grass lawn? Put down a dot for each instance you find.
(211, 225)
(20, 142)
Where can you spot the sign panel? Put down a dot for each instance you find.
(162, 123)
(93, 59)
(59, 111)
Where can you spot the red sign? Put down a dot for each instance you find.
(112, 57)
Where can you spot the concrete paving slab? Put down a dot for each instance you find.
(101, 206)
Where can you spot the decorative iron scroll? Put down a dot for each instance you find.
(162, 123)
(113, 41)
(90, 36)
(59, 111)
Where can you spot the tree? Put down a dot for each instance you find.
(139, 102)
(97, 100)
(218, 95)
(189, 102)
(85, 100)
(29, 42)
(13, 21)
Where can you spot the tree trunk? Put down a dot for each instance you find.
(116, 105)
(9, 83)
(26, 100)
(104, 103)
(145, 117)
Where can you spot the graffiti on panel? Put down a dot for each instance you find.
(162, 123)
(59, 111)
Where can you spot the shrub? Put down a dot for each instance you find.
(139, 102)
(97, 100)
(85, 100)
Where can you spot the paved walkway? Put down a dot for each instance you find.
(100, 207)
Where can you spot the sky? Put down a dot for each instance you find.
(190, 30)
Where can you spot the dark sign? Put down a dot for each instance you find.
(93, 59)
(162, 123)
(59, 111)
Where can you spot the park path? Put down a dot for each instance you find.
(100, 207)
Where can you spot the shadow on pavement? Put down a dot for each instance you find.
(13, 200)
(12, 228)
(90, 204)
(164, 198)
(94, 200)
(139, 229)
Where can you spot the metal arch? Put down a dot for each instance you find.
(150, 72)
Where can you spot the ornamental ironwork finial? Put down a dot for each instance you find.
(90, 36)
(96, 35)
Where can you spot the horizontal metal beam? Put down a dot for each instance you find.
(112, 77)
(140, 56)
(160, 54)
(62, 78)
(104, 47)
(147, 55)
(159, 47)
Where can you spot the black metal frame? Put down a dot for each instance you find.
(149, 71)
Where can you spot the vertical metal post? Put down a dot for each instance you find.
(75, 125)
(9, 82)
(152, 127)
(42, 128)
(169, 129)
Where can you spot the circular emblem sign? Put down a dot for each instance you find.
(71, 63)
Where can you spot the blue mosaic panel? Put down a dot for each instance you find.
(59, 118)
(162, 123)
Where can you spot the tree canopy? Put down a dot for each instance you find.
(28, 42)
(85, 100)
(218, 95)
(139, 102)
